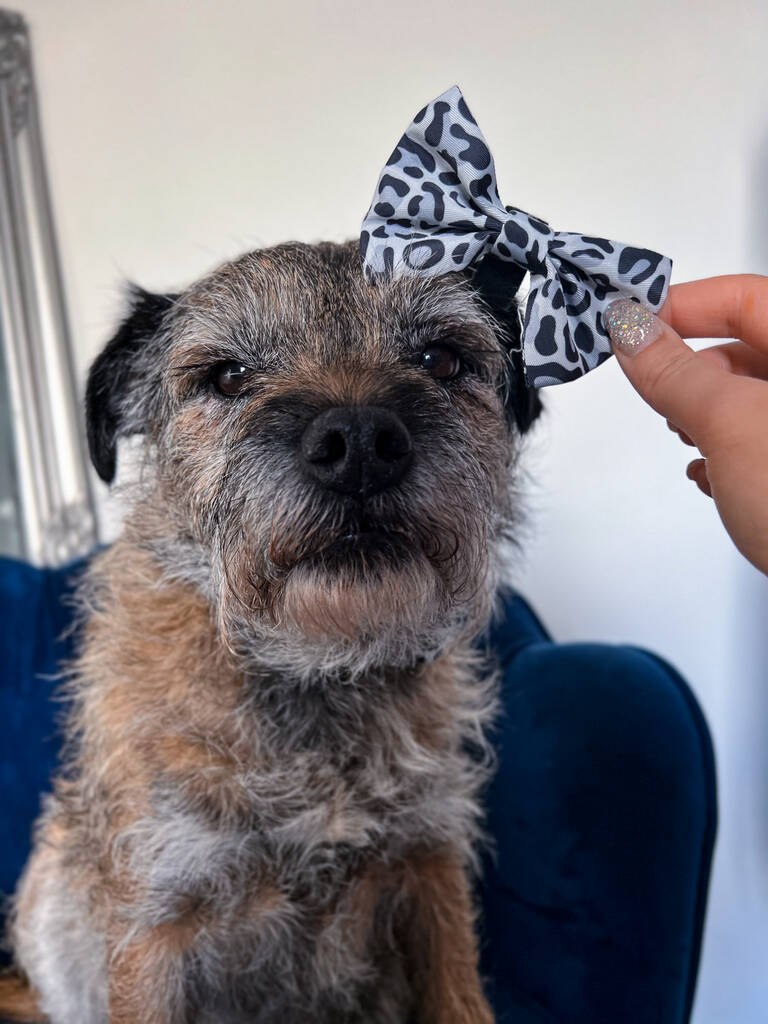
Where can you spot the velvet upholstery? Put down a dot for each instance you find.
(602, 810)
(603, 815)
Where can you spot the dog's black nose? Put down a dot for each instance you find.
(357, 450)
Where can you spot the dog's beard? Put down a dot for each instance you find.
(332, 590)
(359, 597)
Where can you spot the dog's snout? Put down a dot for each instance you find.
(360, 450)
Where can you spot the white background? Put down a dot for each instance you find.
(180, 133)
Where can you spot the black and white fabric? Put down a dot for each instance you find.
(437, 209)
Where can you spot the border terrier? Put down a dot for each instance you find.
(268, 809)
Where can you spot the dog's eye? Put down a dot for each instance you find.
(441, 362)
(230, 379)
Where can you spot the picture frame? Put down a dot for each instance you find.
(47, 513)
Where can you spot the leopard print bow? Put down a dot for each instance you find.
(437, 209)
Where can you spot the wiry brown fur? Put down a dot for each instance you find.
(269, 807)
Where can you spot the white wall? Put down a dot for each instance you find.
(180, 133)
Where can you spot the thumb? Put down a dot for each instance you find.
(665, 371)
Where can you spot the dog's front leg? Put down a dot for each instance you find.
(440, 943)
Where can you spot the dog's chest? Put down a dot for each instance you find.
(304, 819)
(283, 888)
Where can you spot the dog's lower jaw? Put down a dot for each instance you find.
(309, 622)
(315, 660)
(319, 626)
(310, 626)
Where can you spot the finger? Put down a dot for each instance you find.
(731, 306)
(697, 471)
(681, 434)
(667, 373)
(736, 357)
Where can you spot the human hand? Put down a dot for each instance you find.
(716, 399)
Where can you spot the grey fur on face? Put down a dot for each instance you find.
(277, 727)
(316, 336)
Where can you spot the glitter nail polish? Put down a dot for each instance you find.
(631, 325)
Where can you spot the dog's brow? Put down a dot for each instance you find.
(179, 369)
(474, 334)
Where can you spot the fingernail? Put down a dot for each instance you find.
(631, 326)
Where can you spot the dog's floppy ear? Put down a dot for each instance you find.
(523, 403)
(110, 411)
(497, 281)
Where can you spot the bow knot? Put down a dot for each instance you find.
(524, 239)
(437, 209)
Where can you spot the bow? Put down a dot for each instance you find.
(437, 209)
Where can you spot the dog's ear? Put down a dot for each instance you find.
(524, 404)
(111, 410)
(497, 281)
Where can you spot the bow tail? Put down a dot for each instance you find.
(563, 335)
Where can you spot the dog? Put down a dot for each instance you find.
(268, 809)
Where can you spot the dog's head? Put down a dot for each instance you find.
(330, 459)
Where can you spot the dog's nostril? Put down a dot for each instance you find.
(392, 445)
(323, 445)
(333, 449)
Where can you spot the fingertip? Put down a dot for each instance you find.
(666, 372)
(685, 439)
(631, 326)
(697, 471)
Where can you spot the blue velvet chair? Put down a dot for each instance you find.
(602, 810)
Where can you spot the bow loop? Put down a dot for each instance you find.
(437, 210)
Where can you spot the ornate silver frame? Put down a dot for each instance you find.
(56, 501)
